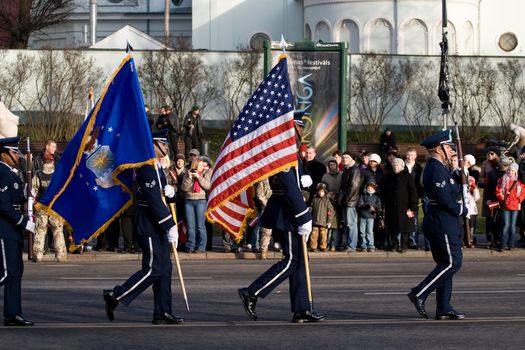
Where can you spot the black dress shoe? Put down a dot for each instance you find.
(249, 301)
(451, 315)
(307, 316)
(111, 303)
(418, 304)
(17, 321)
(167, 318)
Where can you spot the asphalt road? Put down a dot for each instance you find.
(364, 300)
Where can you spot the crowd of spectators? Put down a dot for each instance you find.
(360, 202)
(363, 202)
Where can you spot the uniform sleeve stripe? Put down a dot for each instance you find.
(20, 221)
(165, 219)
(302, 213)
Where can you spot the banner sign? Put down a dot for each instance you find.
(317, 77)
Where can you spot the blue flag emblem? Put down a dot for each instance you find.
(92, 182)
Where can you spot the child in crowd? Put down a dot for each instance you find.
(322, 211)
(510, 192)
(368, 206)
(473, 197)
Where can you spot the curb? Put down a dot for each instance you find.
(273, 255)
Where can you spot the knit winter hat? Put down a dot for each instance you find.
(514, 166)
(374, 157)
(470, 158)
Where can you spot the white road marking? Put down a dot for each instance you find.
(455, 292)
(122, 278)
(369, 276)
(357, 322)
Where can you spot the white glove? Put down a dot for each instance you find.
(30, 226)
(173, 235)
(329, 225)
(169, 191)
(306, 181)
(305, 229)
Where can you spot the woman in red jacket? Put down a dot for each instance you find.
(510, 192)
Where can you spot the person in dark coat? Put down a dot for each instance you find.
(399, 195)
(192, 130)
(314, 168)
(388, 141)
(48, 154)
(351, 181)
(169, 121)
(373, 171)
(415, 169)
(12, 224)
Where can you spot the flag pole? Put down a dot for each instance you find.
(283, 45)
(177, 261)
(173, 213)
(307, 272)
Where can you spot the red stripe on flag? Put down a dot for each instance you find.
(226, 173)
(263, 138)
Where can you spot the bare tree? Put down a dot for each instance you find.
(473, 86)
(509, 98)
(14, 78)
(62, 80)
(20, 19)
(239, 78)
(377, 86)
(179, 78)
(420, 104)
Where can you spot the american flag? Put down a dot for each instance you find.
(261, 143)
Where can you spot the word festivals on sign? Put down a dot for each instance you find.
(308, 62)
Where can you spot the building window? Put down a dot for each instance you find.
(349, 32)
(307, 32)
(414, 36)
(380, 37)
(257, 41)
(508, 41)
(322, 32)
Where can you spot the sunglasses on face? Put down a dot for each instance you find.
(491, 153)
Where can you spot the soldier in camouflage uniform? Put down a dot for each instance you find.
(41, 180)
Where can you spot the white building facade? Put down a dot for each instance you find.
(475, 27)
(112, 15)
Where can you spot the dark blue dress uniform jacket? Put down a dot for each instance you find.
(286, 209)
(152, 216)
(12, 221)
(443, 206)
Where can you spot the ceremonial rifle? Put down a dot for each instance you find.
(464, 187)
(444, 96)
(30, 198)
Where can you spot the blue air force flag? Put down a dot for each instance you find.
(92, 182)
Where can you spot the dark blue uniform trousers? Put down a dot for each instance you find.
(156, 271)
(11, 271)
(291, 266)
(446, 251)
